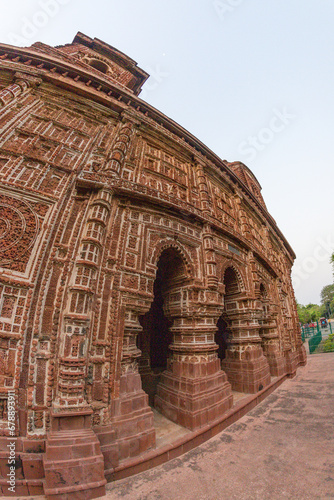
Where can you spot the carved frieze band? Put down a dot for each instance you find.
(21, 83)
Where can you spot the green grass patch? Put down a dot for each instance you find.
(328, 345)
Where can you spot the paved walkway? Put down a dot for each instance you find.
(283, 449)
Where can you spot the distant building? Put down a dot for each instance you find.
(132, 258)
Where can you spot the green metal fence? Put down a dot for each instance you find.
(313, 333)
(314, 341)
(308, 331)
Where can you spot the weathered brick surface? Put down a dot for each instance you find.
(124, 243)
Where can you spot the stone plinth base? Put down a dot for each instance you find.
(73, 462)
(197, 400)
(302, 356)
(109, 446)
(29, 470)
(131, 431)
(277, 365)
(249, 374)
(274, 356)
(149, 384)
(292, 362)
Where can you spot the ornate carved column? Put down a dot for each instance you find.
(210, 258)
(290, 352)
(302, 356)
(245, 365)
(270, 339)
(202, 186)
(71, 437)
(117, 157)
(131, 431)
(193, 391)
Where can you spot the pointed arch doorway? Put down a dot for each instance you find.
(242, 357)
(178, 333)
(156, 337)
(223, 334)
(270, 341)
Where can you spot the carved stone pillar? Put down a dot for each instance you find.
(302, 356)
(290, 352)
(203, 187)
(71, 438)
(210, 258)
(270, 341)
(245, 365)
(117, 157)
(131, 432)
(193, 391)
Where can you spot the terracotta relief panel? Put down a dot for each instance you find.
(223, 205)
(20, 224)
(165, 172)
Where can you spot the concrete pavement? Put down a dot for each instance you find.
(283, 449)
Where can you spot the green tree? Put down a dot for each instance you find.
(327, 294)
(309, 313)
(301, 314)
(323, 310)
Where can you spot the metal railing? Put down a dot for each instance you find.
(314, 335)
(314, 341)
(309, 331)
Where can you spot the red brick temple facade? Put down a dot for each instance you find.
(137, 269)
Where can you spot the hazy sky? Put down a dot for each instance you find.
(252, 79)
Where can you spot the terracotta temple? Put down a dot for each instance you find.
(137, 270)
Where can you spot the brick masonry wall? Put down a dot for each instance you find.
(96, 188)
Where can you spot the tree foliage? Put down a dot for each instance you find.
(312, 312)
(327, 294)
(309, 313)
(329, 344)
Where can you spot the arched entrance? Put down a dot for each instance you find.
(269, 333)
(246, 367)
(179, 366)
(223, 335)
(156, 336)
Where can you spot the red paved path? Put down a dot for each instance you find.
(283, 449)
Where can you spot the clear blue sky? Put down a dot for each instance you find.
(252, 79)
